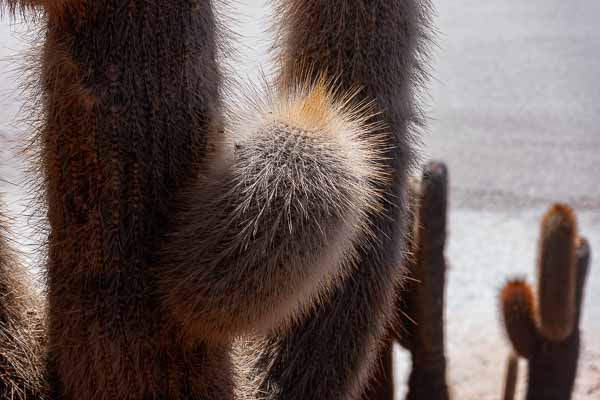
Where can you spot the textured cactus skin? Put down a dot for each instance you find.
(552, 360)
(553, 367)
(377, 46)
(518, 309)
(419, 323)
(275, 226)
(129, 96)
(426, 291)
(557, 273)
(21, 330)
(129, 116)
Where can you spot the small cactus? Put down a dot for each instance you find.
(146, 182)
(419, 325)
(545, 330)
(512, 372)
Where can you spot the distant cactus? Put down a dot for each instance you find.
(545, 330)
(173, 231)
(419, 324)
(21, 332)
(512, 372)
(425, 297)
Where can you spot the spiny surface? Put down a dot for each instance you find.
(273, 226)
(377, 46)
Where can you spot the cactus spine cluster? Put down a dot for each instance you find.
(422, 305)
(544, 327)
(21, 328)
(512, 373)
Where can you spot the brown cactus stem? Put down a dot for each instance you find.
(379, 47)
(553, 366)
(21, 338)
(519, 316)
(428, 376)
(130, 95)
(512, 374)
(557, 273)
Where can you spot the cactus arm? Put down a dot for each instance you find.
(557, 273)
(518, 313)
(374, 45)
(16, 7)
(272, 230)
(430, 271)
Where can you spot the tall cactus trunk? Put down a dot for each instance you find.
(130, 95)
(378, 47)
(428, 376)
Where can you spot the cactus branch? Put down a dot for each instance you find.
(271, 230)
(377, 46)
(519, 314)
(557, 273)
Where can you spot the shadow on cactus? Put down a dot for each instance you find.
(543, 327)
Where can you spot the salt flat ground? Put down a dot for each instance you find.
(515, 112)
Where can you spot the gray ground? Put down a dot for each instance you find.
(514, 112)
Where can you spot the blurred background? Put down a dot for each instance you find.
(514, 108)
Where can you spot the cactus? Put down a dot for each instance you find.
(422, 304)
(381, 384)
(545, 330)
(129, 95)
(286, 216)
(21, 328)
(172, 233)
(512, 373)
(419, 322)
